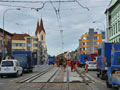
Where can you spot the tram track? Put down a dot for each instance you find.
(86, 81)
(48, 80)
(30, 79)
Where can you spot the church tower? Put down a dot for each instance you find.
(40, 33)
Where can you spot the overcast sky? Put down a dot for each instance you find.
(75, 21)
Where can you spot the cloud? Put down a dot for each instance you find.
(75, 21)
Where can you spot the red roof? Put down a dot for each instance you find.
(19, 36)
(40, 28)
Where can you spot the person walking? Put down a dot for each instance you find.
(64, 65)
(74, 62)
(71, 66)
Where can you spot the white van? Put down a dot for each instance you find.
(10, 67)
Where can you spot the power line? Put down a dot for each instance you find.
(43, 3)
(57, 12)
(40, 1)
(37, 9)
(82, 5)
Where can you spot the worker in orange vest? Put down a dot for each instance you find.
(77, 63)
(74, 62)
(64, 64)
(86, 67)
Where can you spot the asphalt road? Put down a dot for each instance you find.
(100, 84)
(11, 83)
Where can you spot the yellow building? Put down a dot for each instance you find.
(90, 41)
(24, 42)
(27, 42)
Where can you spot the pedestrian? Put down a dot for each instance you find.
(64, 65)
(71, 66)
(74, 62)
(86, 66)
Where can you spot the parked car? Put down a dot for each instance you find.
(92, 65)
(10, 67)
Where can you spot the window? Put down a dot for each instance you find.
(29, 39)
(23, 44)
(95, 38)
(41, 37)
(83, 48)
(7, 63)
(35, 39)
(29, 45)
(86, 38)
(95, 43)
(103, 35)
(35, 45)
(17, 64)
(95, 32)
(83, 43)
(119, 25)
(95, 48)
(19, 44)
(99, 52)
(14, 44)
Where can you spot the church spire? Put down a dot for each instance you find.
(41, 26)
(37, 28)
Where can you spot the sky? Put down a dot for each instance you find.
(75, 21)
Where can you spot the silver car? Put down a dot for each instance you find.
(92, 65)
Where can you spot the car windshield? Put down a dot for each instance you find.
(7, 63)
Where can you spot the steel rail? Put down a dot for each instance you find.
(28, 80)
(49, 79)
(84, 79)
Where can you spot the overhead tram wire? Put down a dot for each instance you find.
(43, 2)
(82, 5)
(57, 12)
(37, 9)
(38, 1)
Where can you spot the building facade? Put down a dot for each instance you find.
(24, 42)
(113, 21)
(37, 43)
(90, 41)
(7, 43)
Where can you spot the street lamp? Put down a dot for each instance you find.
(103, 26)
(3, 28)
(100, 23)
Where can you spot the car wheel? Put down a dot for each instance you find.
(98, 75)
(102, 76)
(108, 85)
(16, 74)
(1, 76)
(22, 73)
